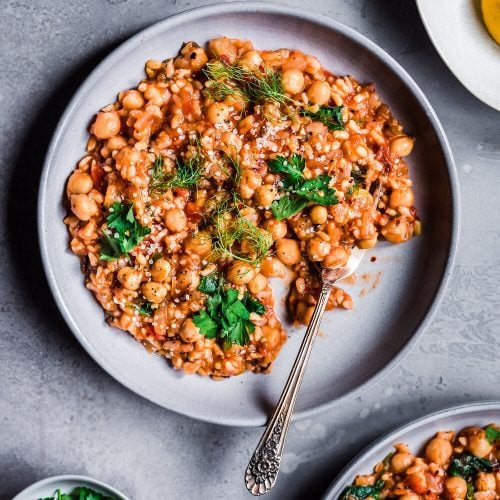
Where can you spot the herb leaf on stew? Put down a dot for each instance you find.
(492, 434)
(124, 233)
(227, 317)
(466, 465)
(144, 309)
(331, 116)
(358, 492)
(300, 189)
(187, 173)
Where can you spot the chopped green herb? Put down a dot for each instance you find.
(187, 174)
(157, 256)
(80, 493)
(331, 116)
(123, 234)
(492, 434)
(226, 80)
(467, 466)
(387, 460)
(353, 189)
(300, 189)
(470, 491)
(145, 309)
(226, 318)
(357, 492)
(287, 206)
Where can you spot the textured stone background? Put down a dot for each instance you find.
(60, 413)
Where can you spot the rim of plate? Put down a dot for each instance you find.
(68, 477)
(272, 8)
(389, 438)
(442, 53)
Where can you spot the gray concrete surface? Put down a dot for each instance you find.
(60, 413)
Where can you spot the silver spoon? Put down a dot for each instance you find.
(264, 465)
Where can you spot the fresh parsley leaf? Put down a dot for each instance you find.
(254, 305)
(353, 189)
(292, 167)
(124, 233)
(317, 190)
(466, 465)
(80, 493)
(206, 324)
(145, 309)
(301, 190)
(492, 434)
(331, 116)
(209, 284)
(226, 317)
(470, 491)
(287, 206)
(357, 492)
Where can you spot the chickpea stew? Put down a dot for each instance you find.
(453, 466)
(223, 168)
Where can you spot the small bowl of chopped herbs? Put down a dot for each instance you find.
(70, 488)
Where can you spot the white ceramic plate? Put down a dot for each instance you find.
(456, 29)
(415, 435)
(47, 487)
(357, 347)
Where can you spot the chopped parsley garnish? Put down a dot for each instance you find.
(225, 80)
(227, 317)
(187, 173)
(144, 309)
(357, 492)
(331, 116)
(80, 493)
(353, 189)
(123, 234)
(467, 466)
(492, 434)
(299, 190)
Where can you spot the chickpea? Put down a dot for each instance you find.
(439, 450)
(293, 81)
(161, 270)
(337, 257)
(318, 214)
(401, 461)
(189, 331)
(409, 496)
(129, 277)
(107, 124)
(197, 58)
(223, 47)
(485, 481)
(319, 92)
(401, 198)
(132, 99)
(154, 292)
(218, 112)
(397, 230)
(187, 279)
(477, 443)
(368, 243)
(83, 206)
(257, 284)
(272, 336)
(199, 243)
(116, 143)
(240, 273)
(80, 183)
(401, 145)
(250, 60)
(318, 249)
(265, 195)
(175, 220)
(288, 251)
(455, 487)
(250, 181)
(277, 228)
(272, 267)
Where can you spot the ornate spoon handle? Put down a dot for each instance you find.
(264, 465)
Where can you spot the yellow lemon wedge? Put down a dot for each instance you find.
(491, 16)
